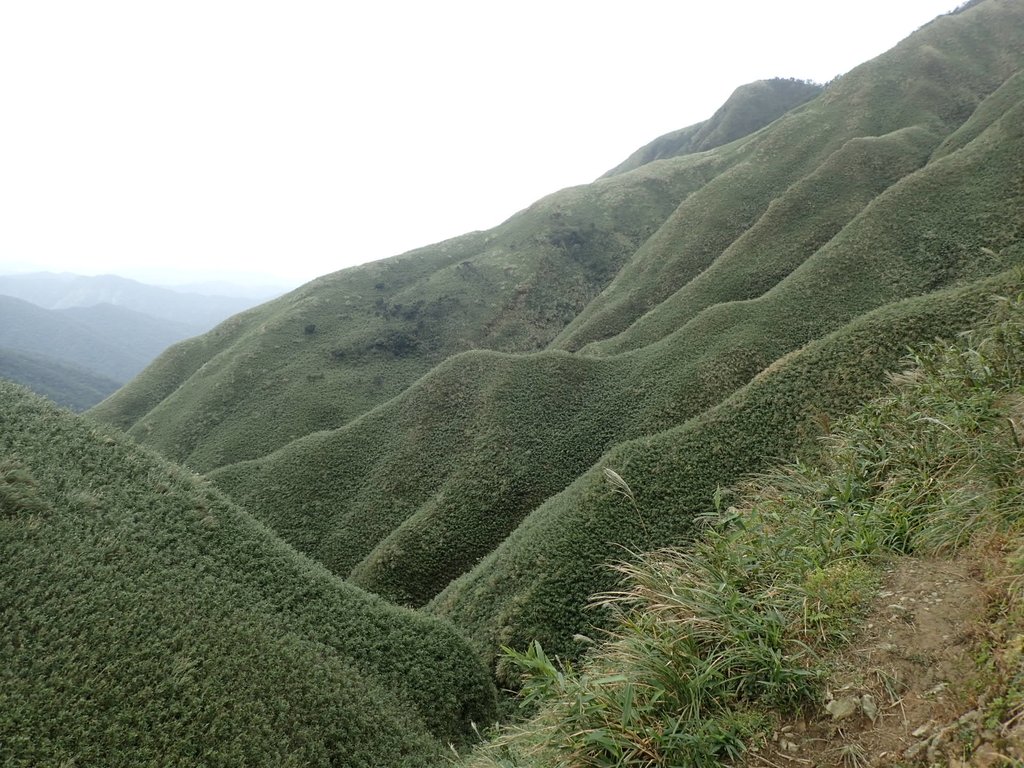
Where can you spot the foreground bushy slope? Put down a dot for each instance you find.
(145, 619)
(387, 421)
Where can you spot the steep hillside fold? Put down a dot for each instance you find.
(331, 350)
(146, 619)
(536, 584)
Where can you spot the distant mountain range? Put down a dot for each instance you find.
(199, 310)
(71, 337)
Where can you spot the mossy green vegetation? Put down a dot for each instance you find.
(262, 379)
(713, 644)
(146, 619)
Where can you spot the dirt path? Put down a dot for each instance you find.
(907, 691)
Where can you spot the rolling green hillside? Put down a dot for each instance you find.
(147, 620)
(331, 350)
(417, 491)
(435, 427)
(929, 84)
(67, 385)
(535, 585)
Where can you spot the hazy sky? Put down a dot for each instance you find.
(291, 139)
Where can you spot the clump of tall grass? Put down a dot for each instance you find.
(713, 642)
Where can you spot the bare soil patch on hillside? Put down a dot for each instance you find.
(911, 690)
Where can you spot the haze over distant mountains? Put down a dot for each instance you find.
(76, 339)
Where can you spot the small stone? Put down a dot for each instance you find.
(867, 703)
(987, 756)
(840, 709)
(915, 749)
(917, 733)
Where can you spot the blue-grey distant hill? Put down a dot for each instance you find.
(106, 340)
(199, 311)
(66, 384)
(76, 339)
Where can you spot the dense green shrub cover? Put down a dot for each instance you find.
(932, 81)
(712, 643)
(536, 584)
(410, 496)
(146, 619)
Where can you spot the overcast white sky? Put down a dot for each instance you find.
(284, 140)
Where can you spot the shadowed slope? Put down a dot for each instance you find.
(146, 619)
(67, 385)
(109, 341)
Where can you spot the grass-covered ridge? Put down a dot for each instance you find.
(146, 619)
(931, 82)
(578, 266)
(335, 348)
(713, 644)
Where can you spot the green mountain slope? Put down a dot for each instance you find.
(434, 427)
(535, 585)
(413, 494)
(67, 385)
(749, 108)
(146, 619)
(331, 350)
